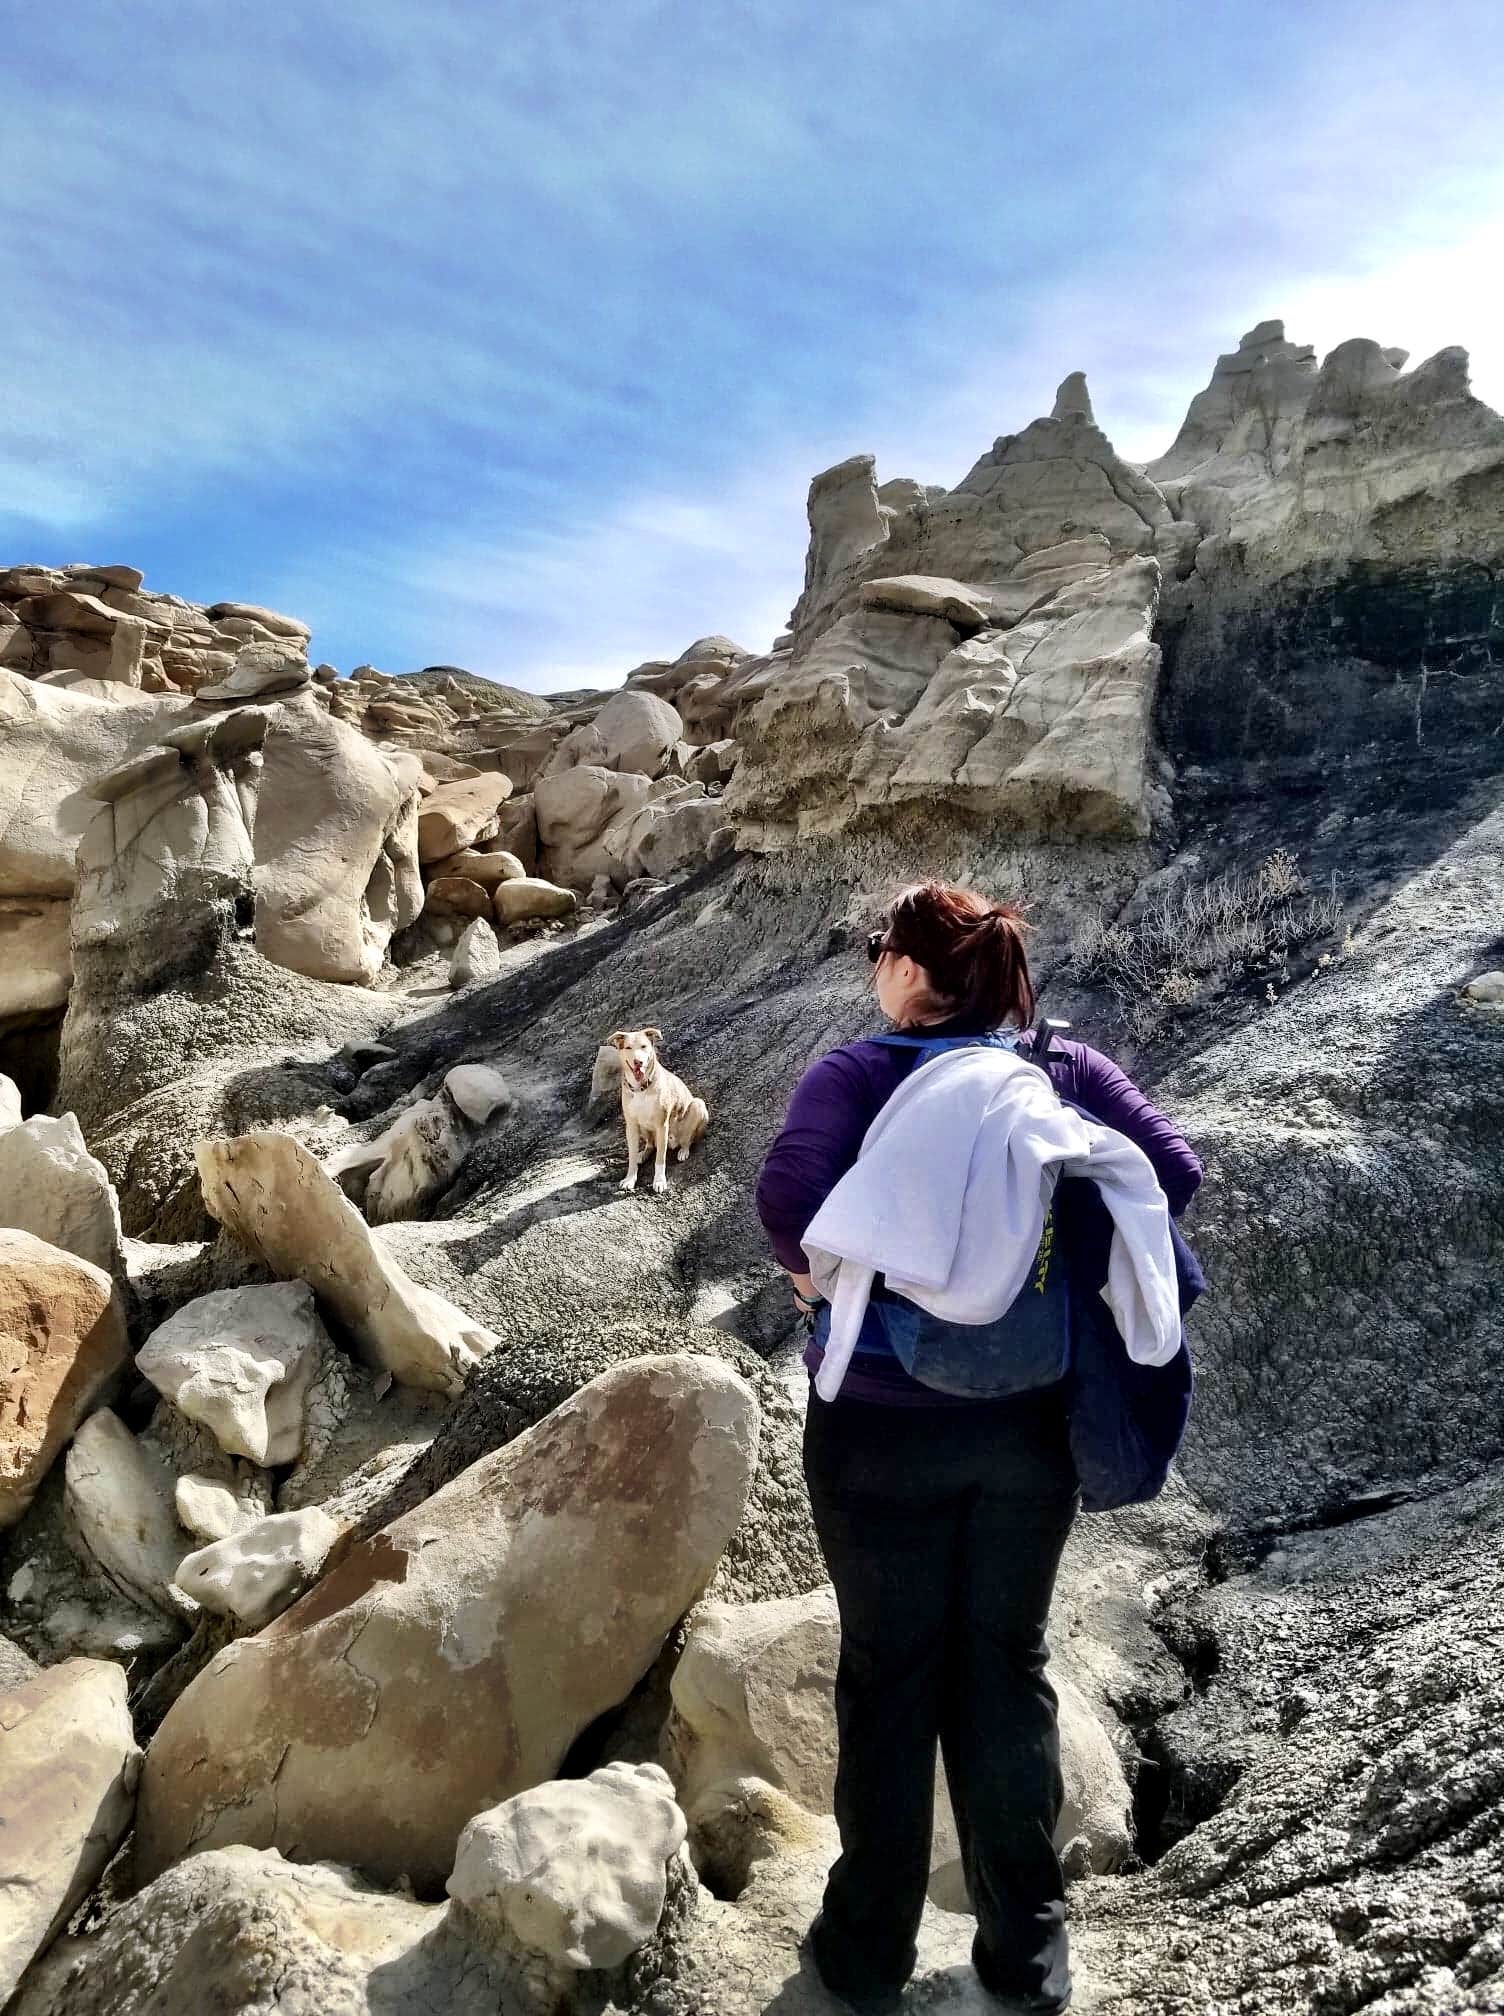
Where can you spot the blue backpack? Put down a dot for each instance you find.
(1127, 1421)
(1027, 1346)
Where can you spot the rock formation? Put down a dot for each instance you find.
(469, 1493)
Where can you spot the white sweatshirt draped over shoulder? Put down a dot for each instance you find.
(947, 1199)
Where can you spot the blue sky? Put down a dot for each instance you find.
(511, 336)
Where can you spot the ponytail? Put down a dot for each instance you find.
(971, 949)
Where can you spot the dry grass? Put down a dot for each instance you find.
(1196, 940)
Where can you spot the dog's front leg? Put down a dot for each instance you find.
(634, 1150)
(660, 1153)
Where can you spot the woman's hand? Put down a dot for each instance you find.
(806, 1295)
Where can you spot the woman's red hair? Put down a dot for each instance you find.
(971, 948)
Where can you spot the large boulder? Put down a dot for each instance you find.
(336, 846)
(574, 810)
(68, 1769)
(635, 731)
(271, 1195)
(436, 1669)
(457, 815)
(410, 1162)
(51, 1186)
(62, 1343)
(241, 1362)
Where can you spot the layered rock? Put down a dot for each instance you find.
(987, 653)
(434, 1670)
(62, 1336)
(68, 1769)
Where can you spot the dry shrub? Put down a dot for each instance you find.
(1196, 939)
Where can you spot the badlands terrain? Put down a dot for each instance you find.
(408, 1595)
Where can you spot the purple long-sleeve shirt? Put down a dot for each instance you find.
(840, 1096)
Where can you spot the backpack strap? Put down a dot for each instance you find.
(937, 1046)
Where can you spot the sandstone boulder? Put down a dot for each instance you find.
(10, 1103)
(517, 832)
(336, 862)
(457, 815)
(575, 1870)
(458, 896)
(574, 810)
(683, 836)
(52, 1187)
(486, 868)
(262, 672)
(241, 1362)
(68, 1770)
(477, 956)
(62, 1343)
(712, 762)
(265, 619)
(253, 1573)
(436, 1669)
(636, 731)
(56, 743)
(529, 899)
(270, 1194)
(119, 1501)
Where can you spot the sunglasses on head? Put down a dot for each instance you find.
(877, 945)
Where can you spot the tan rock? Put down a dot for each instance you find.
(635, 731)
(575, 808)
(211, 1509)
(520, 902)
(68, 1770)
(448, 1662)
(517, 832)
(268, 1191)
(477, 956)
(56, 743)
(457, 815)
(62, 1342)
(267, 619)
(487, 869)
(458, 896)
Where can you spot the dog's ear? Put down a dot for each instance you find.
(618, 1037)
(654, 1036)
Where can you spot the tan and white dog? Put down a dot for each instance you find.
(654, 1105)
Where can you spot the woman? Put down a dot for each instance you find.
(942, 1520)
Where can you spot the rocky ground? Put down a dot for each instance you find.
(389, 1501)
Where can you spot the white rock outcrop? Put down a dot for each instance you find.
(120, 1505)
(449, 1661)
(62, 1345)
(68, 1771)
(575, 1869)
(240, 1362)
(423, 1149)
(254, 1573)
(269, 1192)
(52, 1187)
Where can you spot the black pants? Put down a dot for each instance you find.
(942, 1529)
